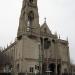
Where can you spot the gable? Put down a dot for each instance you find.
(45, 29)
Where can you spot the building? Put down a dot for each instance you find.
(36, 49)
(72, 69)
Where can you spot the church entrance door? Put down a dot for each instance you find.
(52, 68)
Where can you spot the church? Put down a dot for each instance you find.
(36, 49)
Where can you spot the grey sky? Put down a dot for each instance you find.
(60, 16)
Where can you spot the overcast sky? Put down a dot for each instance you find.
(60, 16)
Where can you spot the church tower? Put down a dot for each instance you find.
(29, 19)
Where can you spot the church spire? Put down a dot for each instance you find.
(45, 20)
(29, 18)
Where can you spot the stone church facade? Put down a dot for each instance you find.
(36, 49)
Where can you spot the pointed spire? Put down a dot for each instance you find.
(15, 39)
(56, 34)
(7, 45)
(10, 42)
(67, 38)
(59, 36)
(45, 20)
(4, 48)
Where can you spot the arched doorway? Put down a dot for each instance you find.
(52, 68)
(59, 69)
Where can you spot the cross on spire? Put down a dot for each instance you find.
(45, 19)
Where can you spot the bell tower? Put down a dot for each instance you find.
(29, 19)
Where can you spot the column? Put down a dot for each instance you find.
(56, 67)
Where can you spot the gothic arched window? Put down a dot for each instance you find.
(30, 20)
(45, 30)
(31, 15)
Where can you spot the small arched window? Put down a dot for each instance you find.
(47, 43)
(45, 30)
